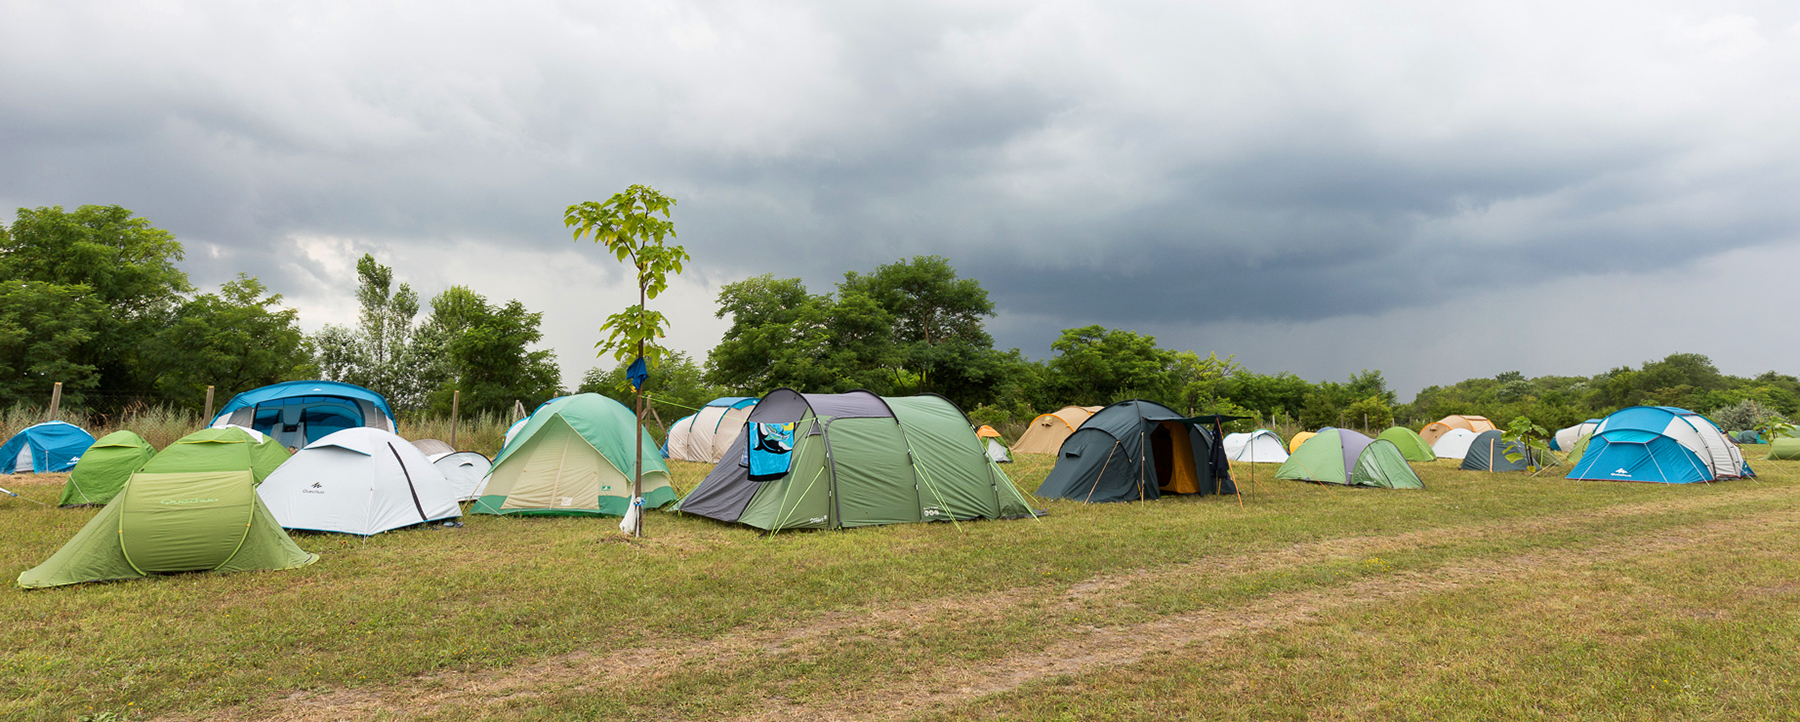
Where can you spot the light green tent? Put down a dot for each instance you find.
(830, 461)
(1579, 448)
(1411, 444)
(1784, 448)
(104, 468)
(574, 457)
(191, 508)
(1342, 456)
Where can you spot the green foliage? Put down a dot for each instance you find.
(237, 339)
(677, 387)
(627, 224)
(41, 327)
(483, 350)
(1372, 414)
(1529, 435)
(1745, 414)
(781, 335)
(384, 351)
(120, 262)
(1096, 366)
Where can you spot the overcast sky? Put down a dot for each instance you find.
(1439, 192)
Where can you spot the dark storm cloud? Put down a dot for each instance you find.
(1197, 165)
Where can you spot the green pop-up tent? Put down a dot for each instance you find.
(1342, 456)
(574, 456)
(191, 508)
(104, 468)
(1411, 444)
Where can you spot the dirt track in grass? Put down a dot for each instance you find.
(1075, 648)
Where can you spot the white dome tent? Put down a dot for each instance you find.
(1565, 439)
(706, 434)
(465, 470)
(1454, 444)
(1259, 446)
(360, 481)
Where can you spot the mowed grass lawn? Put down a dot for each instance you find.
(1486, 596)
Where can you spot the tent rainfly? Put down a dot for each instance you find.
(574, 456)
(1784, 448)
(1660, 444)
(1488, 452)
(192, 508)
(1045, 434)
(1411, 445)
(358, 481)
(299, 412)
(1436, 429)
(104, 469)
(465, 470)
(1565, 438)
(1454, 444)
(1342, 456)
(705, 435)
(830, 461)
(1261, 446)
(1137, 451)
(46, 448)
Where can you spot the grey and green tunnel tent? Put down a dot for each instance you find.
(828, 461)
(1137, 451)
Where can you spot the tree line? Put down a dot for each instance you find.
(93, 298)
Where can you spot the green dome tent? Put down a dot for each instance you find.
(1411, 444)
(192, 508)
(1342, 456)
(829, 461)
(104, 468)
(573, 457)
(1784, 448)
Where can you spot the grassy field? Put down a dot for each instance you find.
(1486, 596)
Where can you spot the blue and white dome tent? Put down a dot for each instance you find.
(44, 448)
(297, 413)
(1660, 444)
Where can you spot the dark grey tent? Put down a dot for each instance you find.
(1488, 450)
(1140, 450)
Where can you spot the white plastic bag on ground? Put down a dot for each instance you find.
(633, 517)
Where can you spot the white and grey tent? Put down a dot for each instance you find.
(1259, 446)
(997, 453)
(465, 470)
(1565, 439)
(1454, 444)
(358, 481)
(706, 434)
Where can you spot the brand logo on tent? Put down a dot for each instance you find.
(188, 501)
(932, 511)
(816, 520)
(1621, 472)
(317, 488)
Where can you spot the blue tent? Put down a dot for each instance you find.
(45, 448)
(296, 413)
(1659, 444)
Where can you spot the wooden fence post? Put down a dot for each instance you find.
(206, 418)
(455, 408)
(55, 400)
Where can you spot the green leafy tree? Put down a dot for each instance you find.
(383, 352)
(125, 264)
(483, 350)
(237, 339)
(627, 224)
(1095, 365)
(781, 335)
(939, 343)
(1531, 439)
(41, 326)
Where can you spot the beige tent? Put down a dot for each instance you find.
(1046, 432)
(1436, 429)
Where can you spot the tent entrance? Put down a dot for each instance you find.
(1172, 454)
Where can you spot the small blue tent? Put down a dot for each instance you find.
(1660, 444)
(44, 448)
(297, 413)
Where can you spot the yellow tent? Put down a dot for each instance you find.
(1300, 438)
(1046, 432)
(986, 432)
(1436, 429)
